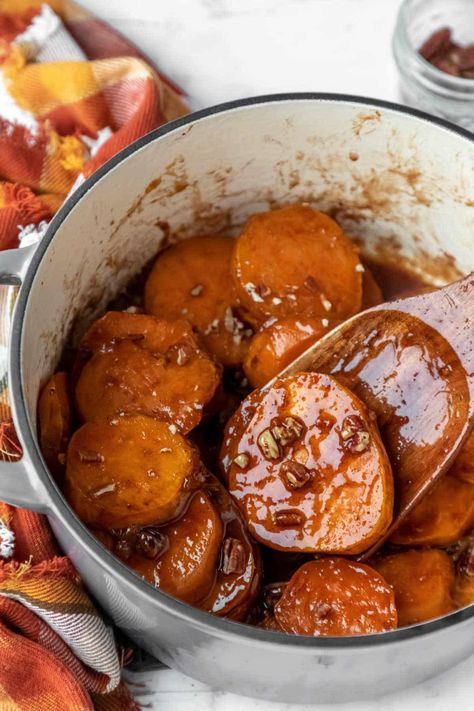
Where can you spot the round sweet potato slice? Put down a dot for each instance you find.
(336, 597)
(441, 517)
(296, 261)
(275, 346)
(192, 280)
(156, 335)
(129, 471)
(155, 367)
(239, 574)
(188, 552)
(54, 419)
(371, 292)
(422, 581)
(305, 463)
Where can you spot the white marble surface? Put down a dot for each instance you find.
(225, 49)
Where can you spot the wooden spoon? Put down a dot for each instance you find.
(411, 362)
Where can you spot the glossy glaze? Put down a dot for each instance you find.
(276, 345)
(334, 597)
(176, 377)
(422, 581)
(193, 280)
(186, 567)
(129, 471)
(346, 502)
(296, 261)
(234, 593)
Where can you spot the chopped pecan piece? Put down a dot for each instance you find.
(233, 557)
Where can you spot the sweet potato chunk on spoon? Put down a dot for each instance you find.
(411, 361)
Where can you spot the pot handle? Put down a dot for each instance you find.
(18, 485)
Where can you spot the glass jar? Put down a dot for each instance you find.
(422, 85)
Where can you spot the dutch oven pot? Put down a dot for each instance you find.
(403, 180)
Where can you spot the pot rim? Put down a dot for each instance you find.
(58, 506)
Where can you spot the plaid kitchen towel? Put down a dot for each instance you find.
(73, 92)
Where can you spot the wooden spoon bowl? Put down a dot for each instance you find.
(411, 361)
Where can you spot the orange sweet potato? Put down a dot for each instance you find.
(129, 471)
(336, 597)
(296, 261)
(371, 292)
(141, 364)
(306, 465)
(442, 517)
(192, 280)
(275, 346)
(54, 419)
(186, 567)
(422, 581)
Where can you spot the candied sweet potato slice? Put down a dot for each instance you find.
(296, 261)
(441, 517)
(186, 567)
(156, 335)
(154, 367)
(129, 471)
(422, 581)
(306, 464)
(239, 574)
(192, 280)
(54, 418)
(275, 346)
(371, 292)
(336, 597)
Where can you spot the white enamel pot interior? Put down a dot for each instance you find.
(400, 182)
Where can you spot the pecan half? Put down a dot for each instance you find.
(435, 42)
(89, 457)
(289, 517)
(354, 435)
(287, 430)
(233, 557)
(268, 445)
(295, 475)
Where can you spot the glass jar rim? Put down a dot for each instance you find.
(433, 76)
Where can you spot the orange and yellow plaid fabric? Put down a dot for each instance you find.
(73, 92)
